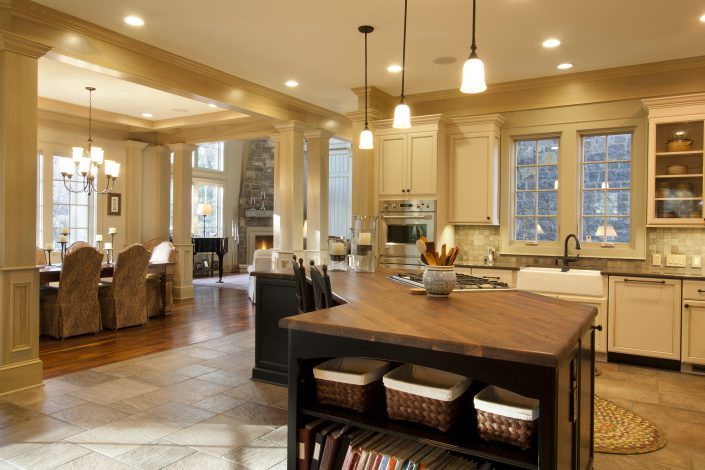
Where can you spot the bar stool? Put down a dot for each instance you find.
(303, 294)
(322, 294)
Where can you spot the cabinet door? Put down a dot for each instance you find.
(645, 317)
(600, 319)
(421, 163)
(471, 180)
(693, 332)
(392, 165)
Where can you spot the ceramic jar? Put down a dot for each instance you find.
(439, 281)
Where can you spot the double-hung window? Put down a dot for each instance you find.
(208, 192)
(74, 211)
(209, 156)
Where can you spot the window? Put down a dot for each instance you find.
(606, 187)
(209, 156)
(536, 190)
(72, 210)
(208, 192)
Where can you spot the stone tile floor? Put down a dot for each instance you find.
(195, 408)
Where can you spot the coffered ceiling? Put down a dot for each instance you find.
(316, 42)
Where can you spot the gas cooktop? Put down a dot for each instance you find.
(466, 282)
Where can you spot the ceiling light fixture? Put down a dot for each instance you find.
(551, 43)
(394, 68)
(147, 115)
(366, 139)
(133, 20)
(702, 19)
(564, 66)
(87, 162)
(211, 105)
(291, 83)
(402, 113)
(474, 69)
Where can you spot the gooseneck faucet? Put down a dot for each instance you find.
(566, 258)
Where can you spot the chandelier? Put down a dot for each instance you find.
(87, 161)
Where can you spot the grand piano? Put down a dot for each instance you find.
(219, 246)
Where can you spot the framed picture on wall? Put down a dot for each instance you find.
(114, 203)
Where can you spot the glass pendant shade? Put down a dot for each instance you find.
(366, 140)
(402, 117)
(77, 154)
(67, 166)
(84, 166)
(97, 155)
(473, 76)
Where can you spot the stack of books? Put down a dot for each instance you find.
(323, 445)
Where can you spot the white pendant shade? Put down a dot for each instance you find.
(97, 155)
(366, 140)
(473, 76)
(77, 154)
(402, 117)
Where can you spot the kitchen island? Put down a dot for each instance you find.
(529, 344)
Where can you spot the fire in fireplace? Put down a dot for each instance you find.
(264, 242)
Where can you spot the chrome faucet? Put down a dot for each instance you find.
(566, 258)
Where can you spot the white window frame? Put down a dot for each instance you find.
(221, 149)
(197, 227)
(92, 207)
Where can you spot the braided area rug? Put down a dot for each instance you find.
(619, 431)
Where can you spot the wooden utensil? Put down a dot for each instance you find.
(421, 246)
(450, 256)
(423, 259)
(430, 247)
(444, 256)
(430, 260)
(455, 255)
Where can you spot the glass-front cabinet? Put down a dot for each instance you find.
(676, 130)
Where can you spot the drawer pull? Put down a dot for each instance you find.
(639, 281)
(701, 291)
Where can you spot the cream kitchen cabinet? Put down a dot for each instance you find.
(600, 303)
(408, 164)
(693, 339)
(474, 170)
(645, 317)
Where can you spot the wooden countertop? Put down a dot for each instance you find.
(506, 325)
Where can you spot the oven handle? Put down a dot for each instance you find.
(407, 217)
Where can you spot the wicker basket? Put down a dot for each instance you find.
(507, 417)
(350, 382)
(423, 395)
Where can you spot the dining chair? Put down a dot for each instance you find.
(123, 302)
(161, 253)
(73, 308)
(151, 244)
(322, 293)
(303, 294)
(76, 245)
(40, 257)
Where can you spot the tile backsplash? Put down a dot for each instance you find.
(475, 240)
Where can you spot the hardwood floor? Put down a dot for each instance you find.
(212, 313)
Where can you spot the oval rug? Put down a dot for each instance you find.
(619, 431)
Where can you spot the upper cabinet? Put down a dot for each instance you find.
(409, 163)
(474, 170)
(676, 130)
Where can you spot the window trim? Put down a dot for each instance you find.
(194, 159)
(92, 206)
(195, 181)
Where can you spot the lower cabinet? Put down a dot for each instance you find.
(645, 317)
(693, 339)
(600, 303)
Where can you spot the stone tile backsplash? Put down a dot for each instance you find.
(475, 240)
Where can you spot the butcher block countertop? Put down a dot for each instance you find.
(505, 325)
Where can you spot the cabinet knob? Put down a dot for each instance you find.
(597, 327)
(488, 217)
(687, 305)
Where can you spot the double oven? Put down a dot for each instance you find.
(402, 222)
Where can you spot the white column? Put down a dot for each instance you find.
(132, 199)
(318, 144)
(20, 366)
(155, 192)
(289, 193)
(183, 172)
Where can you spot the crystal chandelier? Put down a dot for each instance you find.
(87, 161)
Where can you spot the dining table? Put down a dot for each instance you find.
(52, 273)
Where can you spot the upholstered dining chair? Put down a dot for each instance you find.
(76, 245)
(161, 253)
(40, 257)
(123, 302)
(151, 244)
(73, 308)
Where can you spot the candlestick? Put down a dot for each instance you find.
(99, 238)
(63, 244)
(64, 231)
(108, 246)
(49, 249)
(63, 239)
(112, 230)
(49, 246)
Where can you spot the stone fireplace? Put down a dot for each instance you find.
(258, 238)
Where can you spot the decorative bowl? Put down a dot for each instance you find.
(439, 281)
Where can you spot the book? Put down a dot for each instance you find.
(344, 447)
(353, 450)
(320, 443)
(331, 448)
(305, 437)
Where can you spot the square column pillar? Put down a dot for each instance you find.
(20, 366)
(155, 192)
(317, 195)
(132, 199)
(183, 173)
(289, 193)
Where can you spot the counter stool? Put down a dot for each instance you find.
(322, 294)
(303, 294)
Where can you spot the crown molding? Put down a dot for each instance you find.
(431, 119)
(21, 45)
(79, 111)
(135, 145)
(696, 99)
(372, 115)
(494, 119)
(377, 99)
(318, 134)
(295, 126)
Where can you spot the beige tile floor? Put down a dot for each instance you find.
(195, 408)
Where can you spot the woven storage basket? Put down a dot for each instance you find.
(423, 395)
(350, 382)
(507, 417)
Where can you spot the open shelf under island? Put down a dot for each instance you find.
(536, 346)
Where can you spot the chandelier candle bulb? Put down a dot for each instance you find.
(112, 231)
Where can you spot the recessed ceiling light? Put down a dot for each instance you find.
(394, 68)
(552, 42)
(291, 83)
(564, 66)
(147, 115)
(133, 20)
(702, 19)
(211, 105)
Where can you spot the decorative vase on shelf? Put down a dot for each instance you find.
(439, 281)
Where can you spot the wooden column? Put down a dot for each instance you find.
(276, 226)
(20, 366)
(155, 192)
(289, 193)
(318, 144)
(183, 172)
(132, 199)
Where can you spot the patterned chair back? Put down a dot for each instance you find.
(40, 257)
(129, 285)
(78, 291)
(151, 244)
(76, 245)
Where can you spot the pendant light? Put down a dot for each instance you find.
(366, 140)
(402, 114)
(474, 69)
